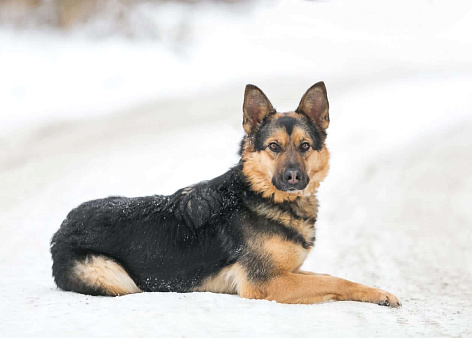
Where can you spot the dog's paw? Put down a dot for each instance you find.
(385, 298)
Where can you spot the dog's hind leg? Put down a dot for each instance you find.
(90, 274)
(100, 275)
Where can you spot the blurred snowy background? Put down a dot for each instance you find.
(126, 97)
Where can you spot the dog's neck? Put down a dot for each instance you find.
(304, 207)
(299, 214)
(307, 205)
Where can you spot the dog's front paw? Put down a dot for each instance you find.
(385, 298)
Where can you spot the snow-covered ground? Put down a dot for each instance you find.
(83, 118)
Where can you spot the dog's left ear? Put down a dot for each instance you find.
(315, 105)
(256, 107)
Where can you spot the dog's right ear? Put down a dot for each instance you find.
(256, 107)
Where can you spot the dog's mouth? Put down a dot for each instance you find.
(290, 188)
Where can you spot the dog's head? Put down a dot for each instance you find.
(284, 154)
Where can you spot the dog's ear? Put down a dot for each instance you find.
(315, 105)
(256, 107)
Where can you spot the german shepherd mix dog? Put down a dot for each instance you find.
(246, 232)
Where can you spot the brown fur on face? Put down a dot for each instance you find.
(261, 166)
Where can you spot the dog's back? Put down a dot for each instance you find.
(155, 243)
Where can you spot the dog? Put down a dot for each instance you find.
(246, 232)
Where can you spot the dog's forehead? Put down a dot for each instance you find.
(288, 122)
(287, 127)
(284, 127)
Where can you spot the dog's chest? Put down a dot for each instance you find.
(287, 250)
(284, 255)
(282, 233)
(290, 255)
(302, 219)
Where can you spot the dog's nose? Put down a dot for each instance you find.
(292, 176)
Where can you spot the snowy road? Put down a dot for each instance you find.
(84, 118)
(395, 213)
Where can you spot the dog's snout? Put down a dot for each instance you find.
(292, 176)
(290, 179)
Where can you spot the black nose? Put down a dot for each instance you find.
(292, 176)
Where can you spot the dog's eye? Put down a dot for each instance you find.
(304, 146)
(274, 147)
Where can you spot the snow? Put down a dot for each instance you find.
(84, 118)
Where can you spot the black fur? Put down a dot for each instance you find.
(288, 122)
(169, 243)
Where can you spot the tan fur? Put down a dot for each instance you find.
(305, 228)
(259, 174)
(317, 166)
(307, 206)
(296, 288)
(227, 280)
(260, 167)
(285, 255)
(103, 273)
(298, 136)
(280, 136)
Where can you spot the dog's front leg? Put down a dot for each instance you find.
(293, 288)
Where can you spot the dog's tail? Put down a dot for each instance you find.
(88, 273)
